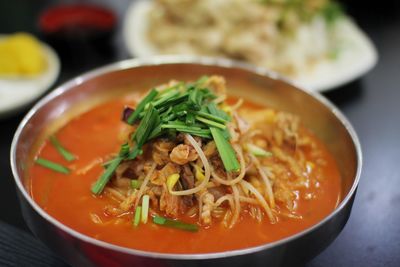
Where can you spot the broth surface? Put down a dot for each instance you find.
(92, 136)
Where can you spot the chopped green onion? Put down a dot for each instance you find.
(165, 98)
(98, 187)
(134, 116)
(144, 130)
(106, 164)
(188, 129)
(169, 89)
(195, 98)
(226, 134)
(211, 117)
(156, 132)
(124, 151)
(225, 150)
(210, 122)
(65, 153)
(258, 151)
(175, 224)
(190, 119)
(202, 80)
(52, 165)
(136, 220)
(214, 110)
(135, 184)
(145, 208)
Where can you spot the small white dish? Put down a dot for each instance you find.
(18, 92)
(358, 54)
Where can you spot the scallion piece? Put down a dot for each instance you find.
(136, 219)
(65, 153)
(258, 151)
(190, 119)
(134, 116)
(135, 184)
(210, 122)
(165, 98)
(202, 80)
(144, 130)
(188, 129)
(52, 165)
(169, 89)
(211, 117)
(98, 187)
(124, 150)
(214, 110)
(175, 224)
(225, 150)
(107, 163)
(145, 208)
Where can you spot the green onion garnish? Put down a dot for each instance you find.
(210, 122)
(52, 165)
(136, 220)
(65, 153)
(183, 108)
(150, 96)
(144, 130)
(258, 151)
(124, 150)
(214, 110)
(135, 184)
(202, 80)
(211, 117)
(188, 129)
(175, 224)
(98, 187)
(225, 150)
(145, 208)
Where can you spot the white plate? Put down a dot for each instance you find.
(358, 54)
(18, 92)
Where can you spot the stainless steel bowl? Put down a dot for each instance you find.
(327, 122)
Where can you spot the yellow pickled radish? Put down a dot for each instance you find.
(21, 54)
(171, 180)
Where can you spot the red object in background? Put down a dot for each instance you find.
(78, 16)
(81, 33)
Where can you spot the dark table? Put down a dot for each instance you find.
(371, 236)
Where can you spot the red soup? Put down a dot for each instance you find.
(269, 177)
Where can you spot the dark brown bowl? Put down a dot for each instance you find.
(257, 84)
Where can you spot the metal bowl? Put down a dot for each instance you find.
(257, 84)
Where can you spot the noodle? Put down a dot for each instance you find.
(228, 198)
(248, 200)
(144, 184)
(237, 206)
(267, 183)
(260, 199)
(237, 104)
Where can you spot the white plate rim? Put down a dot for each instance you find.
(43, 82)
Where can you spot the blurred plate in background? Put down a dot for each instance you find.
(357, 56)
(17, 92)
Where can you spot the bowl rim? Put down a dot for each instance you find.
(165, 60)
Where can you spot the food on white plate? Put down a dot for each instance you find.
(312, 41)
(21, 54)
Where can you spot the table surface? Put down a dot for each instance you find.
(372, 234)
